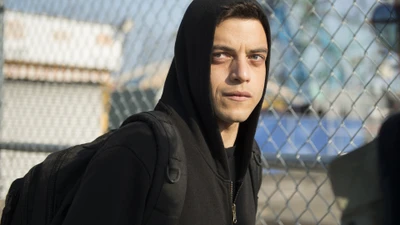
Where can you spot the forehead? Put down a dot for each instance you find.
(240, 31)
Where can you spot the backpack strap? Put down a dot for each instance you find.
(168, 190)
(256, 171)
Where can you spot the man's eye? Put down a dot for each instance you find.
(219, 55)
(257, 57)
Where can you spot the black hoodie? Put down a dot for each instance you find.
(187, 95)
(110, 193)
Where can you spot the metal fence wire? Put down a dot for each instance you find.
(74, 69)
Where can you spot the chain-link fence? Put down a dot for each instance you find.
(74, 69)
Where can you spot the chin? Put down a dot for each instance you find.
(236, 117)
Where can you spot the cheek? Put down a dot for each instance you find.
(259, 85)
(217, 79)
(213, 88)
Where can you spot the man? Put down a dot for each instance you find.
(213, 94)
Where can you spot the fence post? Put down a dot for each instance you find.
(397, 4)
(2, 10)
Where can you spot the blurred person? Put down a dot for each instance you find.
(213, 95)
(365, 181)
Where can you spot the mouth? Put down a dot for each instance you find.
(238, 95)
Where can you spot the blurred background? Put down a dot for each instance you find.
(74, 69)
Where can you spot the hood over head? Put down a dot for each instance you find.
(187, 87)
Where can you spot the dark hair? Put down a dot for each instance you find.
(242, 10)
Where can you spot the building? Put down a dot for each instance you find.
(56, 73)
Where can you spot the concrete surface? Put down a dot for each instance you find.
(297, 198)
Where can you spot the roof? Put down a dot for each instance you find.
(45, 40)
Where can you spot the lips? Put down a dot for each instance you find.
(238, 95)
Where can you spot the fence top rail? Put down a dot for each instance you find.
(33, 147)
(271, 160)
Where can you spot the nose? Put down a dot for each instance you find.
(240, 71)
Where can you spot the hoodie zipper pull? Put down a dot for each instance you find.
(234, 219)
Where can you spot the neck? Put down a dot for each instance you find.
(228, 133)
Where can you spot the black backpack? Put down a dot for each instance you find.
(31, 199)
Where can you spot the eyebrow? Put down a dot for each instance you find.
(229, 49)
(259, 50)
(223, 48)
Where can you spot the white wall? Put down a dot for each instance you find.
(45, 113)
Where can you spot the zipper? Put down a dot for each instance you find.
(233, 200)
(234, 217)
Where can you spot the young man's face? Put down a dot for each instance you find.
(238, 70)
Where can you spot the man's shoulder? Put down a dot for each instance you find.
(136, 138)
(132, 133)
(132, 145)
